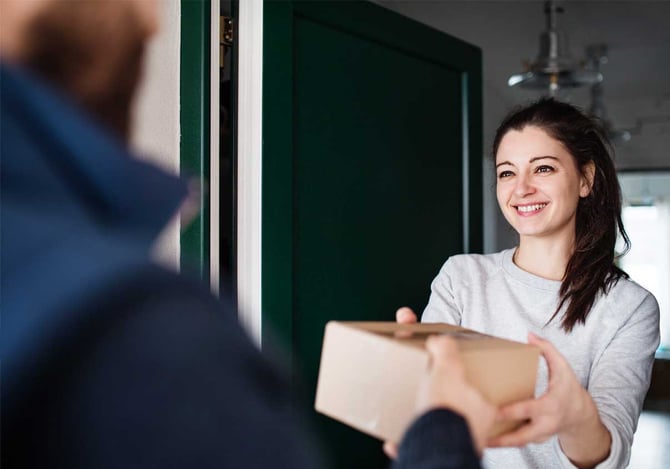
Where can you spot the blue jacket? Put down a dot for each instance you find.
(77, 213)
(107, 359)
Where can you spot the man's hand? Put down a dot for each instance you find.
(445, 386)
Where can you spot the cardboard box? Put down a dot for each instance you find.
(370, 372)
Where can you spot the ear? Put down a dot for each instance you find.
(586, 183)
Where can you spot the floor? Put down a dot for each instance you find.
(651, 446)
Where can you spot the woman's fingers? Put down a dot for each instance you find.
(562, 380)
(522, 410)
(551, 412)
(528, 433)
(391, 449)
(555, 361)
(535, 430)
(405, 315)
(558, 368)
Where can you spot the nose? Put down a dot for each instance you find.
(523, 186)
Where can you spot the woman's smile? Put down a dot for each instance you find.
(528, 210)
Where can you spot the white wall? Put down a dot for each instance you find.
(155, 133)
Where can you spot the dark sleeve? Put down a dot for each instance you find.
(439, 439)
(171, 380)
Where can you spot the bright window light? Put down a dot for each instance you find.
(646, 216)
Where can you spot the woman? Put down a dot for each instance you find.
(557, 187)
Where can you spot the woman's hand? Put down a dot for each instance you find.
(566, 409)
(405, 315)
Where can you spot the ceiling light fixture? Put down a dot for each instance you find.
(554, 67)
(597, 55)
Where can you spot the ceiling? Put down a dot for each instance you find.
(637, 75)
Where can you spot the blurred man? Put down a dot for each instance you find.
(107, 359)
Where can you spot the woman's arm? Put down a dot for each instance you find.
(618, 382)
(620, 377)
(566, 409)
(588, 442)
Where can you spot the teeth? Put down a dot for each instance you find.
(530, 208)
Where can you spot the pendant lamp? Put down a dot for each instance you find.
(554, 68)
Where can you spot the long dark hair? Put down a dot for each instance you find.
(591, 267)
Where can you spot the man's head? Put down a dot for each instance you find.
(90, 49)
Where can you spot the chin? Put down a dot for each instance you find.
(525, 230)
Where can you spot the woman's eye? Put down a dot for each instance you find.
(544, 169)
(505, 174)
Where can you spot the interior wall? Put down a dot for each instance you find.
(156, 131)
(636, 87)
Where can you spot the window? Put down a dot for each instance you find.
(646, 216)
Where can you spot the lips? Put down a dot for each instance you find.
(530, 209)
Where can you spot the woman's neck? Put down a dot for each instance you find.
(546, 258)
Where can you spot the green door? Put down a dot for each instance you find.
(371, 176)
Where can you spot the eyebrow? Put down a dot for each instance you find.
(532, 160)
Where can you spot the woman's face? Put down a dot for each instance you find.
(539, 184)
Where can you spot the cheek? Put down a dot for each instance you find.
(502, 194)
(575, 191)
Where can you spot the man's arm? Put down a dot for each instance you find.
(168, 379)
(439, 439)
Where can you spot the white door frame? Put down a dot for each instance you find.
(249, 164)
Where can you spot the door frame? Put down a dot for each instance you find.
(194, 142)
(199, 139)
(250, 165)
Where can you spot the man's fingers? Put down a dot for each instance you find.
(442, 349)
(444, 355)
(391, 449)
(405, 315)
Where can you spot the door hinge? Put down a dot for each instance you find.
(226, 35)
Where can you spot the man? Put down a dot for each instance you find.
(107, 359)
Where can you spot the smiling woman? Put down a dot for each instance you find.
(557, 187)
(539, 185)
(581, 216)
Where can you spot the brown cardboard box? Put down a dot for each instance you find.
(370, 372)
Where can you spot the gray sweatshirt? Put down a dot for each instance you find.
(612, 354)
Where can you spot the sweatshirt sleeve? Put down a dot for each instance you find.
(619, 380)
(441, 304)
(439, 439)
